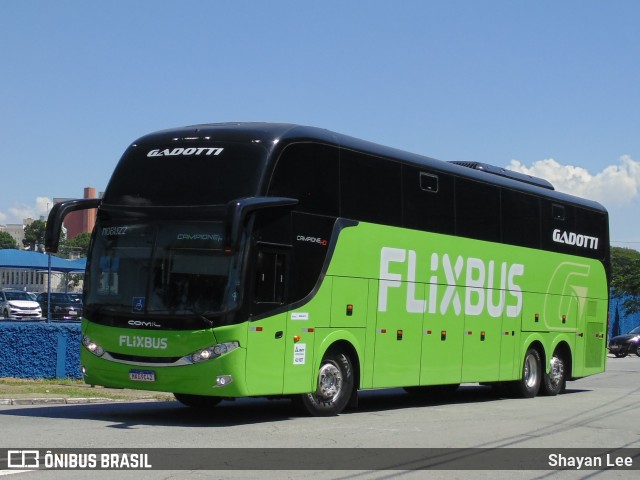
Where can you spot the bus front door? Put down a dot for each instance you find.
(266, 339)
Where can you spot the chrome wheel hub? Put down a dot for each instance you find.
(329, 381)
(530, 371)
(556, 370)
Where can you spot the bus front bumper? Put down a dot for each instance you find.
(222, 376)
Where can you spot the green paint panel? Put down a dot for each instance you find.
(481, 351)
(596, 346)
(442, 340)
(398, 341)
(156, 343)
(299, 365)
(266, 355)
(509, 340)
(349, 302)
(418, 308)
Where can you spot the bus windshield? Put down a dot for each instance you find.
(168, 268)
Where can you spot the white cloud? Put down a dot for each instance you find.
(17, 213)
(616, 185)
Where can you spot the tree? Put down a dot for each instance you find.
(34, 234)
(7, 241)
(625, 277)
(78, 245)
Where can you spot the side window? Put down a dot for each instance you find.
(428, 200)
(520, 219)
(558, 212)
(556, 220)
(309, 173)
(477, 210)
(270, 278)
(592, 226)
(370, 188)
(574, 230)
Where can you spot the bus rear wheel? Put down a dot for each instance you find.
(529, 385)
(555, 381)
(197, 401)
(334, 388)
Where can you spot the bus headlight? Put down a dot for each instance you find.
(92, 346)
(213, 351)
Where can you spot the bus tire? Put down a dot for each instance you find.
(529, 384)
(555, 381)
(334, 388)
(197, 401)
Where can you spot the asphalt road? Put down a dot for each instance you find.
(599, 412)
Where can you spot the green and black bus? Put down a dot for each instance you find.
(257, 259)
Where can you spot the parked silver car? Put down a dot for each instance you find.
(18, 305)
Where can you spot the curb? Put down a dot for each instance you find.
(70, 401)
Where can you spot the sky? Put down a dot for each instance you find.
(549, 88)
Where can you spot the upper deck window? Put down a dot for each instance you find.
(370, 188)
(308, 172)
(183, 174)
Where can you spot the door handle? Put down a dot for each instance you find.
(279, 334)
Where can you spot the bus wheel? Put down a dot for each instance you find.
(556, 380)
(197, 401)
(335, 386)
(529, 385)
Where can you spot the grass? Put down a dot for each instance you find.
(69, 388)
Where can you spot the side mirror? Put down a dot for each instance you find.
(57, 215)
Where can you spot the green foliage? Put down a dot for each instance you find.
(78, 246)
(7, 241)
(625, 277)
(34, 234)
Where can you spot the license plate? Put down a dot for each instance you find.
(73, 312)
(142, 375)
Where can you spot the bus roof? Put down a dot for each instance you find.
(275, 136)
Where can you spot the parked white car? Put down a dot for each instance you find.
(18, 305)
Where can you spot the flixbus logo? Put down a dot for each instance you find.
(137, 341)
(488, 286)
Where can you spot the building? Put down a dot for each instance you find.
(75, 223)
(16, 230)
(82, 221)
